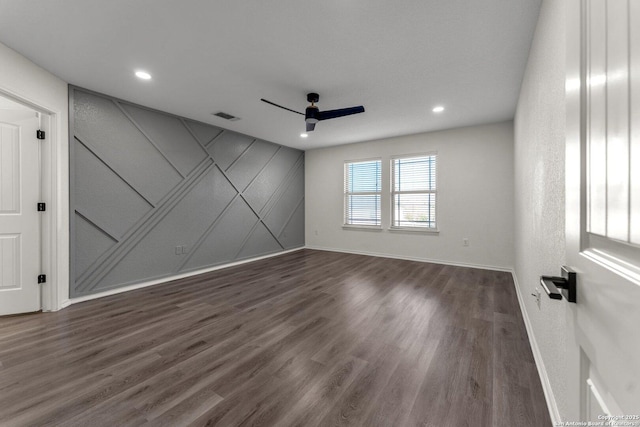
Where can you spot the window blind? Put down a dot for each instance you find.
(414, 191)
(362, 187)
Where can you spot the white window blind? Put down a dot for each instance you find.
(414, 191)
(362, 186)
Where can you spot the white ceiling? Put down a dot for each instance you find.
(397, 58)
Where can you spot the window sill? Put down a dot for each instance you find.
(415, 230)
(362, 227)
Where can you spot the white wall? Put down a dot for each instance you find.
(475, 197)
(540, 197)
(24, 81)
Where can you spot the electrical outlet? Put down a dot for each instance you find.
(178, 250)
(315, 232)
(185, 249)
(465, 241)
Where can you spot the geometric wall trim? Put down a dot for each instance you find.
(154, 195)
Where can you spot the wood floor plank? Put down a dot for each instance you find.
(359, 397)
(395, 400)
(308, 338)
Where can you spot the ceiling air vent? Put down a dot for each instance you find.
(226, 116)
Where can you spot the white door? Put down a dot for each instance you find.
(603, 207)
(19, 218)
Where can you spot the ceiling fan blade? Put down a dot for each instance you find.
(332, 114)
(280, 106)
(311, 127)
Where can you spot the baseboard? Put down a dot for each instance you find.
(63, 304)
(431, 260)
(537, 356)
(110, 292)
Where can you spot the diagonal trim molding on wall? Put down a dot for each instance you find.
(204, 235)
(95, 151)
(147, 136)
(119, 252)
(104, 228)
(157, 189)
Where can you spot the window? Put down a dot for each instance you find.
(414, 192)
(362, 182)
(611, 156)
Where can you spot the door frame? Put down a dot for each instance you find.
(574, 179)
(53, 224)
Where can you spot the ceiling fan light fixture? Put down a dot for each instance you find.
(311, 115)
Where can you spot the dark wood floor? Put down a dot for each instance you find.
(309, 338)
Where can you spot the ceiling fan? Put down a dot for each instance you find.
(313, 115)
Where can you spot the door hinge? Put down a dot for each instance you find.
(40, 134)
(42, 206)
(42, 278)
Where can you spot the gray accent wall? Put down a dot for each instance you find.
(154, 195)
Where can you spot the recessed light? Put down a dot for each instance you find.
(143, 75)
(304, 135)
(438, 109)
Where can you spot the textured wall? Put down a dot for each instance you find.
(539, 189)
(155, 195)
(475, 197)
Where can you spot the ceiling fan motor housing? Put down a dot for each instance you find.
(311, 114)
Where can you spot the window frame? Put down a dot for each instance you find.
(393, 192)
(346, 194)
